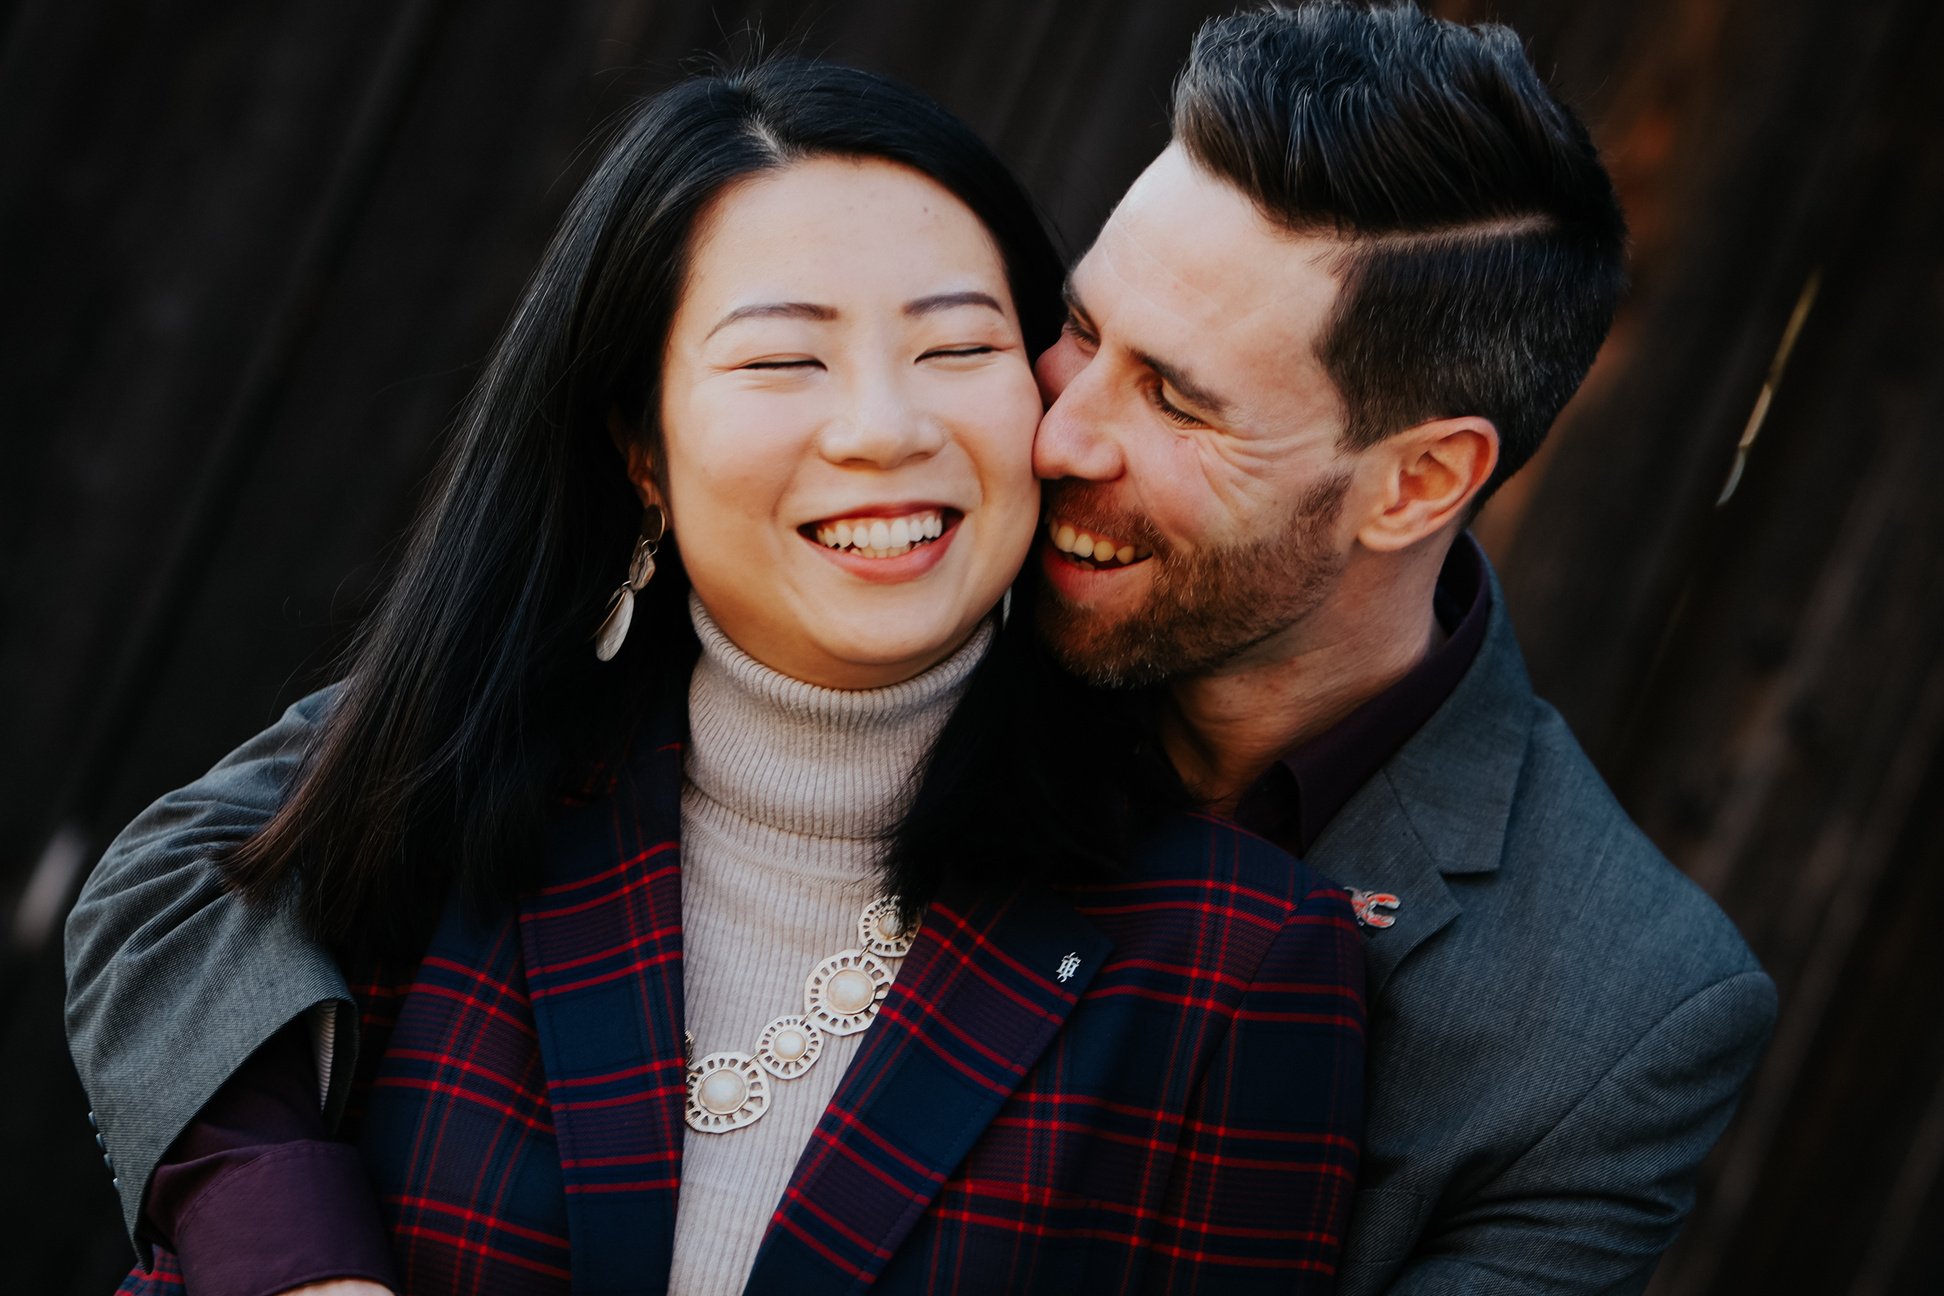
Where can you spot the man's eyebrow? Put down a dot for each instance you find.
(1071, 296)
(774, 310)
(1198, 394)
(950, 301)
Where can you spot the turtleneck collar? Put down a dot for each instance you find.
(831, 765)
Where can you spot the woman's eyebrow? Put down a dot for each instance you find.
(774, 310)
(948, 301)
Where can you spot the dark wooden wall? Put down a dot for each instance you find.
(251, 254)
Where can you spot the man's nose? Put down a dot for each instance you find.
(1074, 437)
(1056, 367)
(881, 426)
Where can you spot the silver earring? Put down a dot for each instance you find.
(641, 568)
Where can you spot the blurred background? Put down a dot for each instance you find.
(251, 255)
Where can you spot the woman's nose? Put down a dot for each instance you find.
(882, 426)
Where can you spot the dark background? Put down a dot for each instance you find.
(251, 255)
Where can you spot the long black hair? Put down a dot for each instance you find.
(471, 696)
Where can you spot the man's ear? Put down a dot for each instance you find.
(1432, 472)
(634, 450)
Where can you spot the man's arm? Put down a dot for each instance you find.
(255, 1199)
(1592, 1205)
(172, 981)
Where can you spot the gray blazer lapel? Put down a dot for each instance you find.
(1439, 807)
(1371, 846)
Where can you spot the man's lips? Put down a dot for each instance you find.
(1099, 551)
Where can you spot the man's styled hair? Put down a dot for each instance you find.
(1483, 245)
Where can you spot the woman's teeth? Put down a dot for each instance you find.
(882, 537)
(1099, 550)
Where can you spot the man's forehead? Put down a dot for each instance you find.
(1186, 254)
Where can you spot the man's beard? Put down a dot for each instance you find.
(1202, 609)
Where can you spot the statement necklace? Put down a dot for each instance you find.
(730, 1091)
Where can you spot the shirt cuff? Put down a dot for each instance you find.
(299, 1213)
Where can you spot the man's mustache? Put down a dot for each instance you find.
(1090, 507)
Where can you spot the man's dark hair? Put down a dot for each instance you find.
(1483, 245)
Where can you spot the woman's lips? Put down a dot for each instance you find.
(881, 535)
(885, 545)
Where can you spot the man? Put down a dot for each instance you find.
(1336, 313)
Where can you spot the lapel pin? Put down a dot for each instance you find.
(1068, 966)
(1370, 907)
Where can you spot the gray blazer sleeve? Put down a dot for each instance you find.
(1592, 1205)
(172, 981)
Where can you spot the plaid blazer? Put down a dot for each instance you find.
(1150, 1084)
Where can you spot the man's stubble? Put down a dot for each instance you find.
(1204, 608)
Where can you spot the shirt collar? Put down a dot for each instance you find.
(1295, 799)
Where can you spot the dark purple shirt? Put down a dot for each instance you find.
(255, 1199)
(1295, 799)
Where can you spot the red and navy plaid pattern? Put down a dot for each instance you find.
(1150, 1084)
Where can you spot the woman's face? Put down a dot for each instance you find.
(847, 415)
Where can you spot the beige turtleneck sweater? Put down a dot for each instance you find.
(788, 789)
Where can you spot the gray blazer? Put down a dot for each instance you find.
(1560, 1021)
(173, 982)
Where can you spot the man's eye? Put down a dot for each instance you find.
(1168, 409)
(1077, 331)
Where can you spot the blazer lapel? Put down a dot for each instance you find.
(1439, 807)
(603, 946)
(1372, 847)
(984, 990)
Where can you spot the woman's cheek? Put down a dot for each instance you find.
(735, 461)
(1008, 413)
(1020, 404)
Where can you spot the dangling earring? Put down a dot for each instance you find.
(620, 613)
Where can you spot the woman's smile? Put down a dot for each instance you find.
(885, 543)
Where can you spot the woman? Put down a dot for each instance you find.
(781, 871)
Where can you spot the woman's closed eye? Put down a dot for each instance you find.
(783, 363)
(967, 351)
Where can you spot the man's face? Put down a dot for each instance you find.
(1193, 448)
